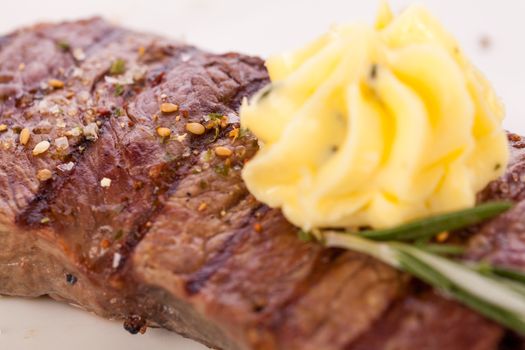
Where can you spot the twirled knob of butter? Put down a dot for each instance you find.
(374, 126)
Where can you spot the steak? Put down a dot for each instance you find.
(161, 231)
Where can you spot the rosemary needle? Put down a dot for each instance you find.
(442, 249)
(429, 227)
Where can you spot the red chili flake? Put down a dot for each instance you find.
(105, 244)
(103, 112)
(157, 79)
(514, 137)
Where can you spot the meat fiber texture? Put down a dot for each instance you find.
(161, 231)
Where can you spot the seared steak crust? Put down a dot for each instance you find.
(176, 240)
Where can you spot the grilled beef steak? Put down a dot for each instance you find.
(153, 229)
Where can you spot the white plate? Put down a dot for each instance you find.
(45, 325)
(256, 27)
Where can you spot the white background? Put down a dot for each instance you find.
(257, 27)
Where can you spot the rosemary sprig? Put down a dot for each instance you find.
(492, 297)
(429, 227)
(496, 292)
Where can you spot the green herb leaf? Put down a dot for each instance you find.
(222, 169)
(215, 116)
(118, 111)
(216, 135)
(119, 89)
(208, 156)
(242, 133)
(429, 227)
(119, 234)
(305, 236)
(117, 67)
(264, 92)
(63, 45)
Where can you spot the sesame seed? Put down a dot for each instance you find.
(66, 167)
(116, 260)
(222, 151)
(163, 132)
(443, 236)
(41, 147)
(210, 125)
(3, 127)
(79, 54)
(44, 174)
(55, 83)
(75, 132)
(61, 143)
(21, 66)
(105, 182)
(169, 108)
(224, 121)
(181, 137)
(141, 51)
(195, 128)
(91, 131)
(202, 206)
(24, 136)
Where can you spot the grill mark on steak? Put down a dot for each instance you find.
(362, 263)
(355, 280)
(197, 146)
(35, 211)
(32, 214)
(20, 177)
(174, 175)
(199, 279)
(420, 312)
